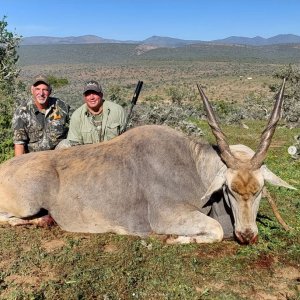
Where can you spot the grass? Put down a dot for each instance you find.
(39, 263)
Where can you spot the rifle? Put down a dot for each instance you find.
(133, 103)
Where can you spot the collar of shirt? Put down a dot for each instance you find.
(51, 105)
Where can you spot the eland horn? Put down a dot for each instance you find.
(267, 134)
(225, 152)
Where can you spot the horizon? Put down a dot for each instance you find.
(137, 20)
(73, 36)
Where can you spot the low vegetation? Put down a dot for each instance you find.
(52, 264)
(48, 263)
(57, 82)
(8, 86)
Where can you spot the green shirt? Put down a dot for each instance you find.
(88, 129)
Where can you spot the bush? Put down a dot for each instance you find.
(8, 87)
(57, 82)
(291, 106)
(180, 117)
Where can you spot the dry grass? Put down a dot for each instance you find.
(41, 263)
(223, 81)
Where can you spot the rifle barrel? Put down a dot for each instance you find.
(137, 92)
(133, 103)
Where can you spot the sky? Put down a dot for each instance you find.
(138, 20)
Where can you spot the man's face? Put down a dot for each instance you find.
(40, 93)
(93, 100)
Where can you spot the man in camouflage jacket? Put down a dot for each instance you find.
(41, 123)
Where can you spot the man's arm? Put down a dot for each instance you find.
(74, 133)
(122, 119)
(20, 137)
(19, 149)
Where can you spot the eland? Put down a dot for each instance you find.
(150, 180)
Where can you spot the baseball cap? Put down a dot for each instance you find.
(92, 85)
(40, 78)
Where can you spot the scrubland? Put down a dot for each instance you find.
(41, 263)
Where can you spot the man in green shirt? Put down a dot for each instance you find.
(97, 119)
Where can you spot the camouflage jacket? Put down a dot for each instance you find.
(38, 130)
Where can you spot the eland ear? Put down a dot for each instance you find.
(216, 184)
(270, 177)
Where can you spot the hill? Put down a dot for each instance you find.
(160, 41)
(259, 41)
(48, 40)
(115, 53)
(74, 54)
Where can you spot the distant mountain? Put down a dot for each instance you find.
(259, 41)
(168, 42)
(122, 53)
(284, 39)
(238, 40)
(48, 40)
(159, 41)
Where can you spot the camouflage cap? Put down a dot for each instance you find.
(92, 85)
(40, 78)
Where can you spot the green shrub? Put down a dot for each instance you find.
(8, 87)
(57, 82)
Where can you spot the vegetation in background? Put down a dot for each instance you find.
(39, 263)
(57, 82)
(8, 86)
(116, 94)
(115, 53)
(291, 107)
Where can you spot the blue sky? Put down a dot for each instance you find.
(140, 19)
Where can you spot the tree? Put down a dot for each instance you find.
(8, 74)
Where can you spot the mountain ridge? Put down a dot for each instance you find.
(162, 41)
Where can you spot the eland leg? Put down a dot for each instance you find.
(38, 220)
(186, 225)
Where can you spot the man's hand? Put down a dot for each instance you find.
(19, 149)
